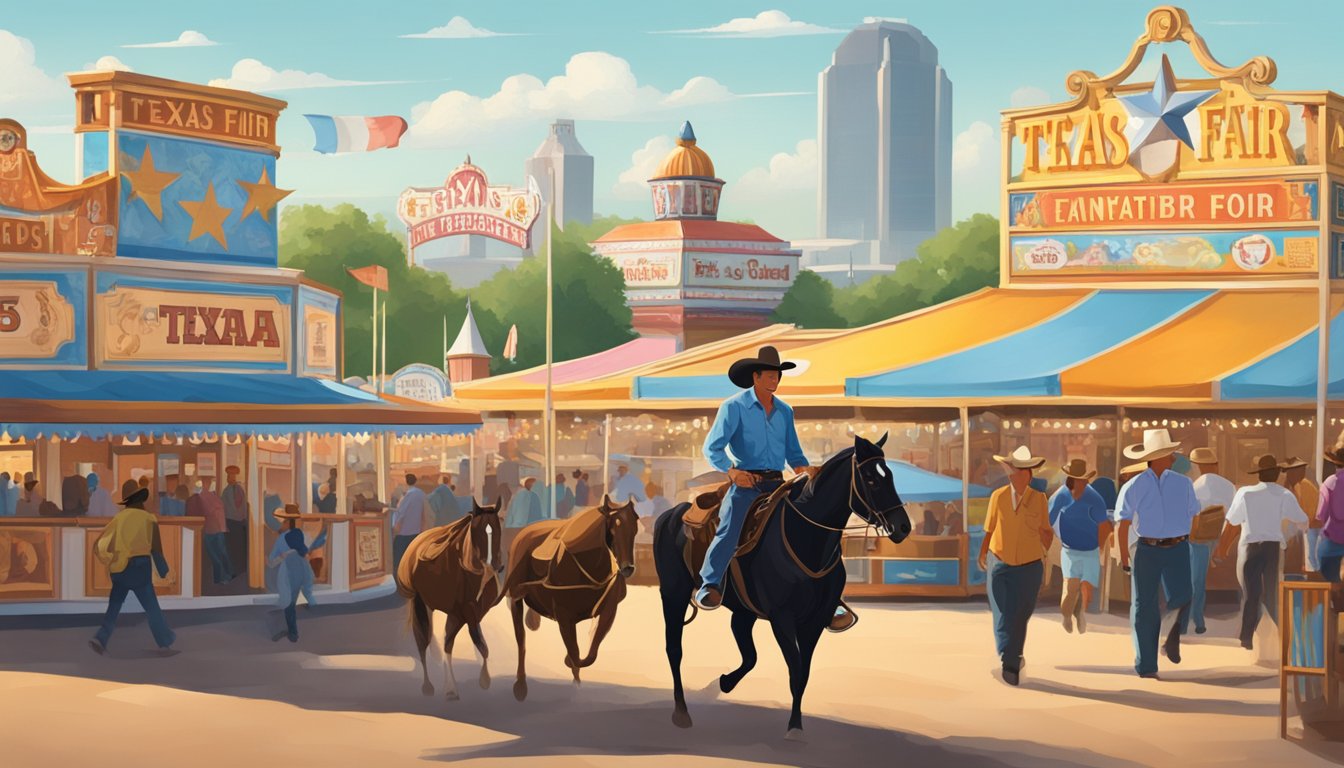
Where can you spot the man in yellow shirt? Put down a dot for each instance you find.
(1018, 534)
(127, 546)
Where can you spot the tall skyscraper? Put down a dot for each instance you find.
(573, 168)
(885, 130)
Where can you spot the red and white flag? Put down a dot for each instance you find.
(511, 344)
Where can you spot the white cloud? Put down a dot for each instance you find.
(252, 75)
(632, 184)
(188, 39)
(108, 64)
(459, 28)
(595, 86)
(24, 80)
(781, 195)
(1029, 96)
(972, 147)
(786, 172)
(763, 24)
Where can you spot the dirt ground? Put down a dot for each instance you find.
(914, 684)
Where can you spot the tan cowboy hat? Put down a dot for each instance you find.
(1156, 444)
(1077, 469)
(1293, 462)
(1020, 458)
(291, 511)
(1134, 469)
(766, 359)
(1264, 462)
(1203, 456)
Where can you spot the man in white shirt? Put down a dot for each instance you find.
(1256, 517)
(1211, 489)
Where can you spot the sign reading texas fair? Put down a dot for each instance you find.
(466, 204)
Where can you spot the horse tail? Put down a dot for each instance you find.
(695, 611)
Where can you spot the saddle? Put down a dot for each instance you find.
(702, 520)
(555, 557)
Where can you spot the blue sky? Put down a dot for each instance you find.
(751, 98)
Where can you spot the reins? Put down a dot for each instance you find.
(604, 583)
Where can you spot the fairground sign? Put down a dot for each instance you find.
(466, 204)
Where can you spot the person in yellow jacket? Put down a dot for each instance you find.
(128, 545)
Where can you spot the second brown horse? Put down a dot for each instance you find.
(570, 571)
(456, 569)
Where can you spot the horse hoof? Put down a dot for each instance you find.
(452, 696)
(726, 685)
(795, 734)
(485, 679)
(520, 690)
(681, 718)
(427, 689)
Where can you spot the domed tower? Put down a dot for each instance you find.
(686, 187)
(689, 275)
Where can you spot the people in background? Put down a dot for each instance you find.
(75, 496)
(294, 576)
(413, 515)
(444, 503)
(326, 499)
(525, 508)
(176, 504)
(564, 498)
(1330, 514)
(100, 501)
(1018, 534)
(1078, 516)
(954, 523)
(580, 489)
(625, 486)
(1255, 522)
(30, 502)
(129, 546)
(235, 512)
(270, 504)
(1211, 489)
(7, 490)
(1161, 504)
(660, 503)
(1308, 498)
(215, 534)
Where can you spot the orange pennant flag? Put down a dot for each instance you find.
(374, 276)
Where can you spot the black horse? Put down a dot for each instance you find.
(793, 577)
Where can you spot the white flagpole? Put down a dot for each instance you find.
(373, 364)
(445, 343)
(550, 316)
(384, 347)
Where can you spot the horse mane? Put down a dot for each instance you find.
(827, 468)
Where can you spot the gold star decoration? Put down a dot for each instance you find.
(207, 216)
(148, 184)
(262, 196)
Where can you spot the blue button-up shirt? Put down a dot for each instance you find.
(1165, 506)
(754, 440)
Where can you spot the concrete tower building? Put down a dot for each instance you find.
(573, 169)
(885, 133)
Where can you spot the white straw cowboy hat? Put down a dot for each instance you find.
(1077, 469)
(1156, 444)
(1203, 456)
(1020, 458)
(766, 359)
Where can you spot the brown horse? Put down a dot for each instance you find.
(456, 569)
(570, 571)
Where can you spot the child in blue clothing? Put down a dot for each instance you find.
(294, 574)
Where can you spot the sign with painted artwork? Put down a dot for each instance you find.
(1270, 253)
(649, 270)
(467, 204)
(145, 322)
(319, 334)
(740, 270)
(42, 318)
(1246, 203)
(418, 381)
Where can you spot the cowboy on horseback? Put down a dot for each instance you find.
(758, 429)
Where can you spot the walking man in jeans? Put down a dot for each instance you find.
(126, 547)
(1256, 519)
(1164, 503)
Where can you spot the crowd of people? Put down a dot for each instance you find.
(1168, 529)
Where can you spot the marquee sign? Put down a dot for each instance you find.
(418, 381)
(722, 270)
(467, 204)
(35, 319)
(1266, 253)
(1248, 203)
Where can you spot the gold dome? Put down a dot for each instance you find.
(687, 159)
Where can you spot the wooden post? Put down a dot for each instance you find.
(256, 543)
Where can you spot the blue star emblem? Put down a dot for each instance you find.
(1160, 113)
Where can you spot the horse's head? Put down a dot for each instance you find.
(485, 539)
(875, 490)
(622, 525)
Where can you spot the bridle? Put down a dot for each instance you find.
(855, 492)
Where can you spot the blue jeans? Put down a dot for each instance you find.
(732, 516)
(1199, 577)
(1329, 554)
(1164, 568)
(1313, 541)
(1013, 590)
(137, 578)
(217, 546)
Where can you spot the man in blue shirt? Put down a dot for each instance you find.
(1078, 515)
(1164, 503)
(757, 428)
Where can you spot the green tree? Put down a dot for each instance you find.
(809, 303)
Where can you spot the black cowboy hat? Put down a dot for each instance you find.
(766, 359)
(140, 496)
